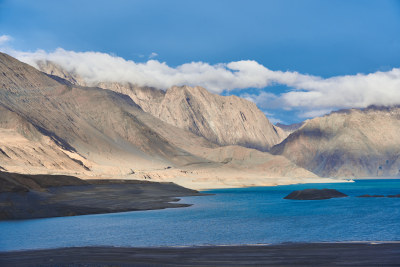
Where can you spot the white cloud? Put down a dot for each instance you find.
(95, 67)
(361, 90)
(309, 94)
(153, 55)
(315, 96)
(4, 39)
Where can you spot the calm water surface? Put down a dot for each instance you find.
(231, 216)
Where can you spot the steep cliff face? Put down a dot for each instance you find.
(148, 98)
(349, 143)
(224, 120)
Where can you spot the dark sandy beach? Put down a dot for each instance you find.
(41, 196)
(309, 254)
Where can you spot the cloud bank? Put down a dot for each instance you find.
(94, 67)
(312, 95)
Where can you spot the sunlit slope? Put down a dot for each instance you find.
(355, 143)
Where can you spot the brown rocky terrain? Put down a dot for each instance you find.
(225, 120)
(348, 143)
(25, 149)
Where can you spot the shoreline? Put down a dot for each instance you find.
(68, 201)
(370, 242)
(377, 178)
(274, 184)
(46, 196)
(352, 253)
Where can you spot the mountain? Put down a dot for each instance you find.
(348, 143)
(224, 120)
(49, 125)
(87, 122)
(24, 149)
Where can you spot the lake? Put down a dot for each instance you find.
(257, 215)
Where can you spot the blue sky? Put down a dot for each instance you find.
(319, 38)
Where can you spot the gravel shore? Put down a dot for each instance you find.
(307, 254)
(42, 196)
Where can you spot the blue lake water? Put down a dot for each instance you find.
(255, 215)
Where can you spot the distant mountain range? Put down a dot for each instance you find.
(52, 121)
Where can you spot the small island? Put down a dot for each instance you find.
(315, 194)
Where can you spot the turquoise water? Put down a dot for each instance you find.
(231, 216)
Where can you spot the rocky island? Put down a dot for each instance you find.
(314, 194)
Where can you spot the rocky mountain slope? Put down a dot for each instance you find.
(49, 125)
(24, 149)
(224, 120)
(349, 143)
(102, 124)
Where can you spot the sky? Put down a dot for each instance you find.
(294, 59)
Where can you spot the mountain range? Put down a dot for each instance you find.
(53, 122)
(50, 125)
(224, 120)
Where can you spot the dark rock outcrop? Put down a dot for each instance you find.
(314, 194)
